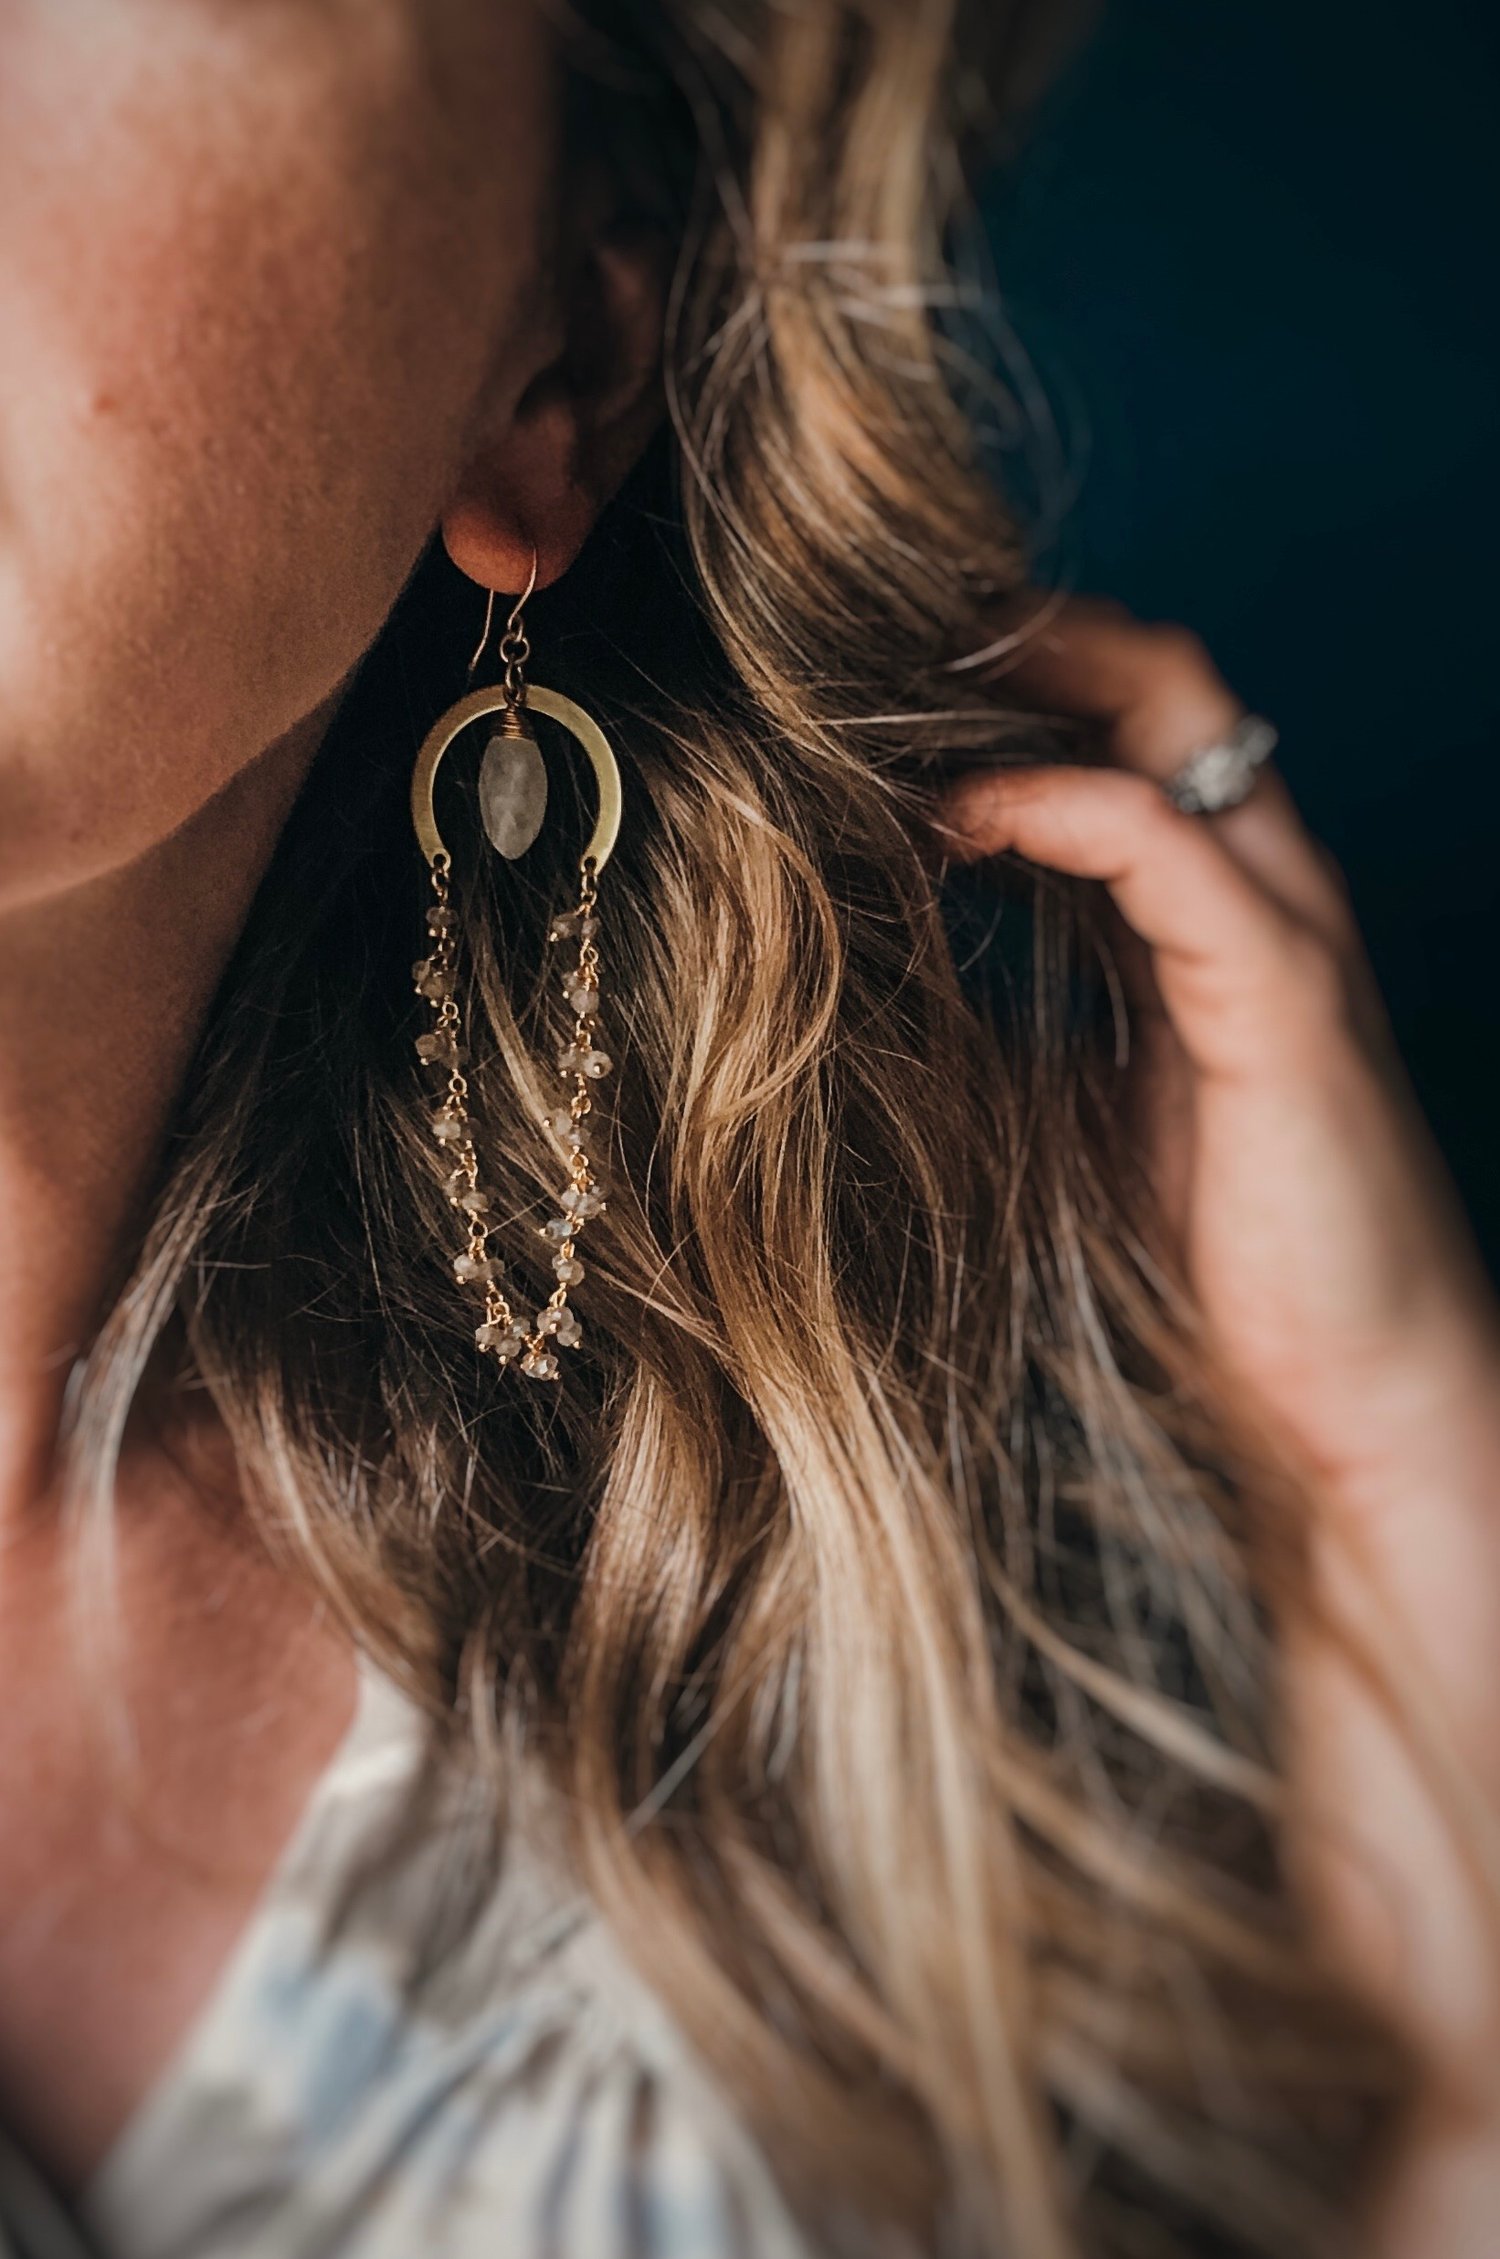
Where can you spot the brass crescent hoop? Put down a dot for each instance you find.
(552, 703)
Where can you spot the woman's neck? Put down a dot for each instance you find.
(103, 990)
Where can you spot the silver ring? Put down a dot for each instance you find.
(1221, 775)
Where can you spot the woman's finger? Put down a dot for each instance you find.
(1246, 984)
(1160, 699)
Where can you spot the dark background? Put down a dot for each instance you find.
(1249, 249)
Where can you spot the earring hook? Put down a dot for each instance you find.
(513, 624)
(479, 648)
(514, 648)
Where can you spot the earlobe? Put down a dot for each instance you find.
(523, 495)
(538, 483)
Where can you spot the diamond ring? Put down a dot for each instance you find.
(1221, 775)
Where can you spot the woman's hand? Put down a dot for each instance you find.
(1345, 1304)
(1315, 1221)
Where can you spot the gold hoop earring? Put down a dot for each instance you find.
(512, 794)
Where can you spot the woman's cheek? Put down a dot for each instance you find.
(248, 317)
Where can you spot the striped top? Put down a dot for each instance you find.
(355, 2094)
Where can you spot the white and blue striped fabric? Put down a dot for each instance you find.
(524, 2097)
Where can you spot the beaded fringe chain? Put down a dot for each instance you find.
(501, 1333)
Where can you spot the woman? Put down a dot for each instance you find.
(950, 1705)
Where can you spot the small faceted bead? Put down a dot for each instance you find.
(457, 1184)
(579, 1059)
(562, 1124)
(475, 1202)
(561, 1322)
(584, 1000)
(440, 919)
(560, 1228)
(580, 1200)
(437, 1049)
(541, 1365)
(568, 1269)
(470, 1270)
(448, 1129)
(504, 1341)
(433, 980)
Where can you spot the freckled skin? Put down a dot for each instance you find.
(266, 267)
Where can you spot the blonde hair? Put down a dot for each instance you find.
(880, 1588)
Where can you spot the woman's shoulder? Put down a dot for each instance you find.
(395, 2080)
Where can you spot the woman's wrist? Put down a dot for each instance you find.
(1414, 1512)
(1440, 2196)
(1396, 1724)
(1431, 1415)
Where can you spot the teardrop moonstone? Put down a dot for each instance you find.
(512, 793)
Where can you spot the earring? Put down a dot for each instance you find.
(513, 797)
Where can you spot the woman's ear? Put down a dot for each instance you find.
(578, 429)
